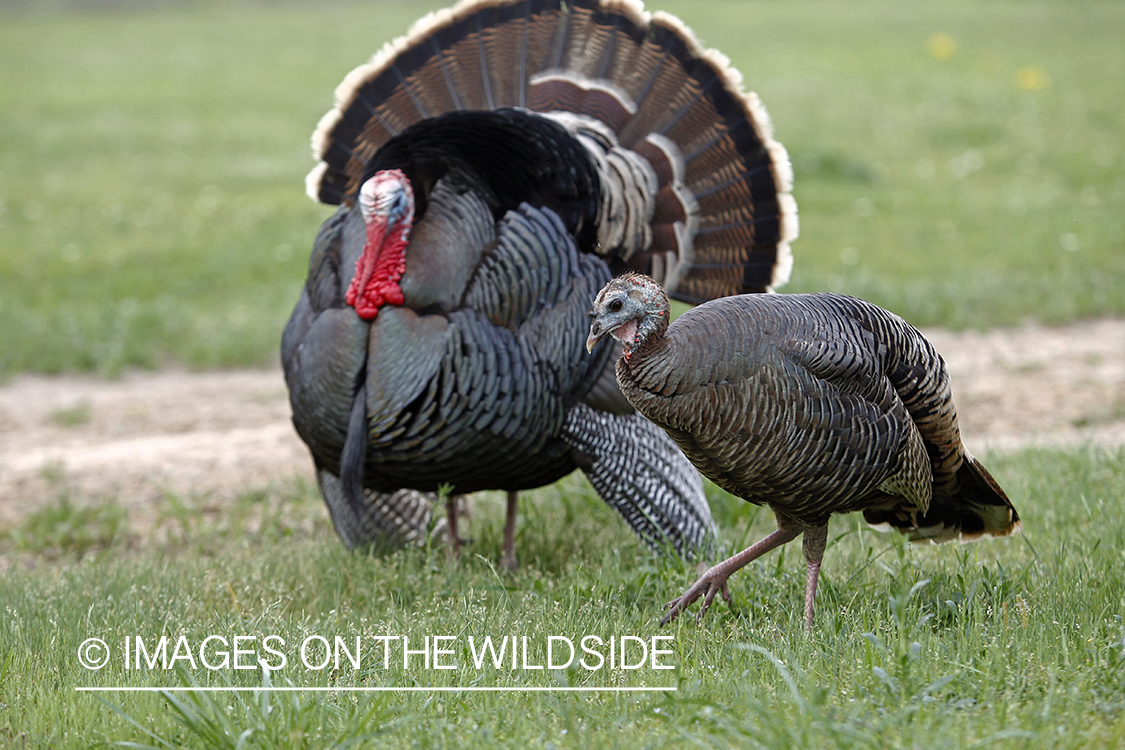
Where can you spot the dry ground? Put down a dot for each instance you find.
(208, 436)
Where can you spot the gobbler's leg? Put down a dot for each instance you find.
(715, 579)
(451, 503)
(508, 561)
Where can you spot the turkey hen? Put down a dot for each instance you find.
(494, 169)
(812, 404)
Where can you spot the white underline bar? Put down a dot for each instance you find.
(413, 689)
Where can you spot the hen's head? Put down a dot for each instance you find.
(632, 308)
(386, 202)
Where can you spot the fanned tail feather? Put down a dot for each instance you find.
(718, 214)
(636, 468)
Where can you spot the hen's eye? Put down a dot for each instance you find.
(615, 305)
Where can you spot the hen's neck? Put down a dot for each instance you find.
(650, 330)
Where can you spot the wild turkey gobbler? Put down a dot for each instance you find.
(812, 404)
(494, 169)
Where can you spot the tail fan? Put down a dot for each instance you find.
(718, 210)
(636, 468)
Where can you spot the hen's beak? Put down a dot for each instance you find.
(596, 335)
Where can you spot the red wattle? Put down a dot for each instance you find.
(377, 272)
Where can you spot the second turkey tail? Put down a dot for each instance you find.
(980, 508)
(696, 192)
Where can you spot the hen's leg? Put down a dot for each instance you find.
(715, 579)
(508, 561)
(813, 545)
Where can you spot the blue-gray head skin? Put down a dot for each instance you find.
(632, 308)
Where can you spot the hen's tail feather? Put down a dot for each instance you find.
(981, 508)
(636, 468)
(385, 520)
(722, 213)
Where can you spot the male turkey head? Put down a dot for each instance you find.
(632, 308)
(386, 201)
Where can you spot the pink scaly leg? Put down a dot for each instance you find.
(715, 579)
(451, 504)
(508, 560)
(813, 544)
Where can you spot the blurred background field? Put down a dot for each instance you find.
(961, 163)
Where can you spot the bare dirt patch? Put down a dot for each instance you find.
(206, 437)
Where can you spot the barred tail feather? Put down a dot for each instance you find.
(721, 210)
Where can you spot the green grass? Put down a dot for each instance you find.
(152, 163)
(975, 190)
(63, 528)
(1011, 644)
